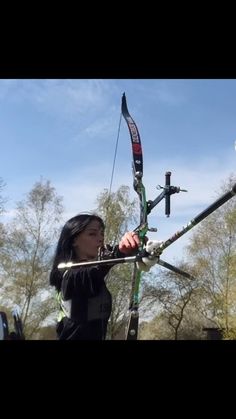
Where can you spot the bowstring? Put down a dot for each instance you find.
(113, 170)
(112, 176)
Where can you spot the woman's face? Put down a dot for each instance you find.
(87, 243)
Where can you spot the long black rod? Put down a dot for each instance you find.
(224, 198)
(69, 265)
(174, 269)
(62, 266)
(152, 204)
(167, 195)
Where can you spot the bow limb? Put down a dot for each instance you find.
(137, 169)
(143, 226)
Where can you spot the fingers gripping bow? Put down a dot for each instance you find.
(151, 257)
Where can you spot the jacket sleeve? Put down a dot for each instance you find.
(109, 252)
(83, 281)
(87, 281)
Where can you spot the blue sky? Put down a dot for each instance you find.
(65, 131)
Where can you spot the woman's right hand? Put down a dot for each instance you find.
(129, 243)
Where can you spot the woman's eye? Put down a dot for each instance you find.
(95, 234)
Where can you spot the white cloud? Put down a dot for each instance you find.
(64, 98)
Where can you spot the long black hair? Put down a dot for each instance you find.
(65, 251)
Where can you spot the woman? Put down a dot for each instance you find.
(85, 302)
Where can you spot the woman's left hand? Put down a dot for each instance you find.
(129, 242)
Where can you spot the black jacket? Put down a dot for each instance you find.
(87, 301)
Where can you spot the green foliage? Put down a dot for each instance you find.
(26, 256)
(230, 334)
(173, 294)
(2, 199)
(47, 333)
(119, 284)
(119, 214)
(213, 253)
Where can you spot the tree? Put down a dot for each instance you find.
(2, 199)
(213, 252)
(172, 294)
(119, 215)
(27, 253)
(2, 202)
